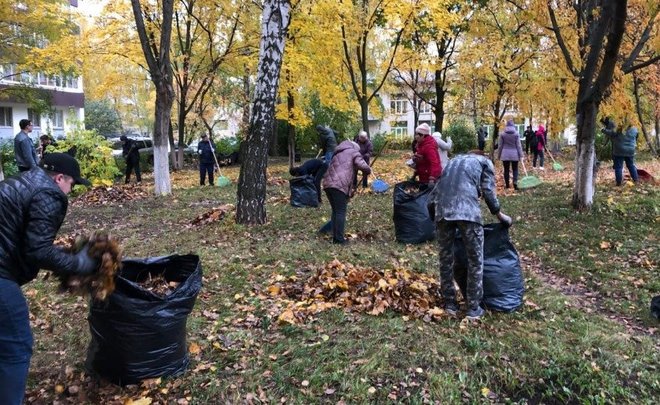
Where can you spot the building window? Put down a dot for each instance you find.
(6, 119)
(399, 106)
(34, 117)
(425, 108)
(58, 119)
(399, 128)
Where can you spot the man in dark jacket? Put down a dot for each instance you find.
(24, 150)
(528, 134)
(32, 207)
(131, 152)
(482, 134)
(206, 151)
(456, 200)
(327, 142)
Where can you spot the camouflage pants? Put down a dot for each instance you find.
(472, 234)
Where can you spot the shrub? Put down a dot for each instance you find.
(9, 167)
(463, 135)
(228, 145)
(94, 153)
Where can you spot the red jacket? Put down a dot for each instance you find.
(428, 160)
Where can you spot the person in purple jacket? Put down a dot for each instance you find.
(338, 186)
(509, 151)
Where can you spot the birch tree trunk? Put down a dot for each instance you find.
(251, 194)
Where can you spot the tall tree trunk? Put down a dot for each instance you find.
(251, 194)
(585, 157)
(364, 113)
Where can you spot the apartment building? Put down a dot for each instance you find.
(64, 93)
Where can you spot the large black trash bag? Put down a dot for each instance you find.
(412, 222)
(504, 285)
(137, 334)
(303, 192)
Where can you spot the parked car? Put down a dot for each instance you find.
(145, 146)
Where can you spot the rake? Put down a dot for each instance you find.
(556, 166)
(528, 181)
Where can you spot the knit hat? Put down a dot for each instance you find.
(423, 129)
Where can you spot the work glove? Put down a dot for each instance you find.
(85, 264)
(504, 219)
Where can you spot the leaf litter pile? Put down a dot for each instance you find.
(355, 289)
(214, 215)
(111, 195)
(158, 285)
(102, 283)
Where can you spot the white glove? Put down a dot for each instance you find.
(505, 219)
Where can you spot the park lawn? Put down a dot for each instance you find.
(597, 345)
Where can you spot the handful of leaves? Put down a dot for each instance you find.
(102, 283)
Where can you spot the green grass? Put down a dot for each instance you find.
(554, 352)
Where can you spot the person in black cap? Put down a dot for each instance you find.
(131, 153)
(32, 208)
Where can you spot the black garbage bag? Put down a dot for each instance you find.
(303, 192)
(655, 307)
(412, 222)
(137, 334)
(504, 285)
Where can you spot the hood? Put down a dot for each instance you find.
(632, 131)
(540, 130)
(347, 145)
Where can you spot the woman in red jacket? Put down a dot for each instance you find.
(427, 159)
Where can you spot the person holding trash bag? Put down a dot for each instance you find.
(206, 151)
(311, 167)
(338, 186)
(32, 207)
(366, 150)
(509, 151)
(427, 158)
(456, 208)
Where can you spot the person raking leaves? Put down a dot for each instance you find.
(455, 206)
(33, 205)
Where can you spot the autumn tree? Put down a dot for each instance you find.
(371, 33)
(589, 35)
(153, 23)
(251, 195)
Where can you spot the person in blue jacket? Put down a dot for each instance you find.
(624, 145)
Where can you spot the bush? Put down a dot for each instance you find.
(9, 167)
(463, 135)
(228, 145)
(603, 146)
(94, 153)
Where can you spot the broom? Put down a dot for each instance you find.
(222, 181)
(527, 181)
(555, 165)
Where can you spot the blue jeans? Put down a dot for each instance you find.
(15, 343)
(618, 168)
(204, 169)
(339, 202)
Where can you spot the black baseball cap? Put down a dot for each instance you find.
(65, 164)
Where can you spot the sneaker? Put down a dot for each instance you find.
(475, 314)
(541, 168)
(451, 308)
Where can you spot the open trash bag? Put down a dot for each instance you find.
(303, 192)
(504, 285)
(138, 333)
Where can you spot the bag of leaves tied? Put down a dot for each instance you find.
(303, 192)
(140, 331)
(412, 222)
(503, 281)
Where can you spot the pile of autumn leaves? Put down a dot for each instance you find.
(355, 289)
